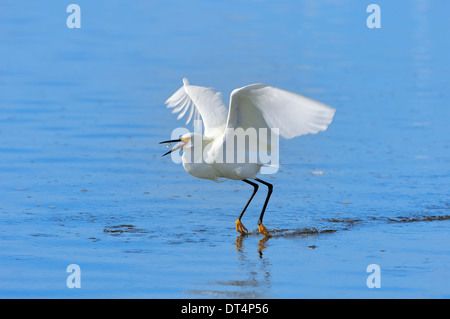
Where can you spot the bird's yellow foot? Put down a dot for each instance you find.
(263, 230)
(240, 228)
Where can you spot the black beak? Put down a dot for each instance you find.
(171, 141)
(167, 153)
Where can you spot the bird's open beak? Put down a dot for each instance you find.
(175, 148)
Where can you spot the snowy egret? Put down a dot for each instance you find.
(257, 106)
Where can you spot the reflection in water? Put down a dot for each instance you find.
(261, 243)
(256, 269)
(254, 266)
(253, 276)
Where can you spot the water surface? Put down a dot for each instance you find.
(82, 178)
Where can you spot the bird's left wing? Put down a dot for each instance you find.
(201, 102)
(264, 106)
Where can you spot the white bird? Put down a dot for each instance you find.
(257, 106)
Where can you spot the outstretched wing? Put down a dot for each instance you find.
(202, 103)
(263, 106)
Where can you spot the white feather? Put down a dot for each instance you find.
(206, 103)
(263, 106)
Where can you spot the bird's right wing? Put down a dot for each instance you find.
(202, 102)
(264, 106)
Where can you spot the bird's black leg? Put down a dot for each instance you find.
(239, 226)
(261, 227)
(255, 186)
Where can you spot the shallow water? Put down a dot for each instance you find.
(83, 181)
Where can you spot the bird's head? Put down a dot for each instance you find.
(183, 140)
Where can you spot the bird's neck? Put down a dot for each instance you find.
(197, 149)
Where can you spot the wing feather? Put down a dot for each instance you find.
(184, 110)
(181, 104)
(203, 103)
(263, 106)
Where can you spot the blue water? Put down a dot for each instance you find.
(82, 180)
